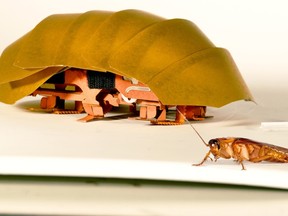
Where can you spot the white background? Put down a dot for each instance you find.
(255, 32)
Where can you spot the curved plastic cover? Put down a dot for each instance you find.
(173, 57)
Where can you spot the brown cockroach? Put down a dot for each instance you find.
(243, 149)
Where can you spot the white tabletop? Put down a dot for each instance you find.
(39, 143)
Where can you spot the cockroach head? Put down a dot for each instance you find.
(214, 145)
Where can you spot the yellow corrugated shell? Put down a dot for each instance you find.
(173, 57)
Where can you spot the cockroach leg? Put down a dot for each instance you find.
(204, 159)
(259, 159)
(243, 167)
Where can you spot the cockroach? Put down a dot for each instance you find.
(243, 149)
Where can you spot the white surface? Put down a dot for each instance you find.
(255, 32)
(269, 176)
(64, 198)
(47, 144)
(275, 126)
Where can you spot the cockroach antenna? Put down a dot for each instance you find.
(192, 127)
